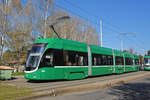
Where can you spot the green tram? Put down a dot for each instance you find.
(146, 62)
(55, 58)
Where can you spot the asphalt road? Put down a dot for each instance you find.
(135, 90)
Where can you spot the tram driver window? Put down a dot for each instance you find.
(52, 57)
(47, 59)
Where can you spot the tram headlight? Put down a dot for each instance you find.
(34, 76)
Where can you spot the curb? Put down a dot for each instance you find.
(85, 87)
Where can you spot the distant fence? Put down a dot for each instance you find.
(19, 68)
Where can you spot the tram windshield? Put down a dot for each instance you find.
(34, 56)
(147, 61)
(32, 63)
(38, 48)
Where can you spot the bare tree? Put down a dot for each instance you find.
(4, 13)
(43, 10)
(28, 21)
(18, 33)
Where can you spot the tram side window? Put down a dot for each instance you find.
(73, 58)
(119, 60)
(136, 61)
(104, 60)
(129, 61)
(94, 62)
(110, 60)
(98, 60)
(58, 58)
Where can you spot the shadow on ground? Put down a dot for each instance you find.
(44, 81)
(132, 91)
(61, 80)
(13, 78)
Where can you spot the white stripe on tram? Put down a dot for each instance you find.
(85, 66)
(69, 66)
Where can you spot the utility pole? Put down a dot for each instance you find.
(124, 34)
(101, 34)
(46, 14)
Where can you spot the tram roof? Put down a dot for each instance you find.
(65, 44)
(146, 56)
(70, 45)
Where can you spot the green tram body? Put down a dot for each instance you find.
(147, 63)
(90, 60)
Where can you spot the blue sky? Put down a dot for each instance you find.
(118, 16)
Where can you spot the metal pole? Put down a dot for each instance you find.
(124, 34)
(57, 22)
(101, 34)
(45, 23)
(89, 61)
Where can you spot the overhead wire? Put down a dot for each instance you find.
(90, 14)
(135, 43)
(85, 18)
(76, 14)
(94, 16)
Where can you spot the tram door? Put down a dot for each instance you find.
(89, 61)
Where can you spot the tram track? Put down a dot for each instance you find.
(86, 81)
(49, 85)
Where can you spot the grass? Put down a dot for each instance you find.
(8, 92)
(17, 73)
